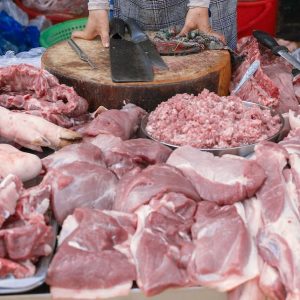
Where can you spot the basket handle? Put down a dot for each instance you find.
(259, 18)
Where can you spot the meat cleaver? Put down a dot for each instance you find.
(140, 38)
(268, 41)
(129, 63)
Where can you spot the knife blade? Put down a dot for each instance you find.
(129, 63)
(139, 37)
(82, 55)
(267, 40)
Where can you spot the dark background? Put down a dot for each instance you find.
(288, 25)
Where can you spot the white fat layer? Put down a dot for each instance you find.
(69, 225)
(118, 290)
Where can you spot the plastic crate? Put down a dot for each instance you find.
(61, 32)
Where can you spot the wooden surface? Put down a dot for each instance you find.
(175, 294)
(186, 74)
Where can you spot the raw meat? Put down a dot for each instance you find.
(122, 157)
(34, 132)
(292, 142)
(294, 120)
(80, 184)
(121, 123)
(35, 91)
(248, 291)
(141, 187)
(162, 245)
(224, 180)
(279, 239)
(272, 85)
(101, 264)
(83, 152)
(17, 269)
(26, 166)
(210, 121)
(10, 190)
(225, 255)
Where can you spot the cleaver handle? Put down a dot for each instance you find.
(117, 28)
(136, 33)
(268, 41)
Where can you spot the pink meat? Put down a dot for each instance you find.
(17, 269)
(141, 187)
(224, 180)
(10, 190)
(209, 121)
(121, 123)
(224, 255)
(162, 245)
(80, 184)
(83, 152)
(101, 263)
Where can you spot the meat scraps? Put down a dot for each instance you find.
(121, 123)
(37, 92)
(272, 85)
(141, 187)
(80, 184)
(13, 161)
(101, 265)
(224, 180)
(210, 121)
(34, 132)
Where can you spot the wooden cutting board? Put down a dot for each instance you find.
(186, 74)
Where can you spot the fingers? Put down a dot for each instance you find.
(85, 34)
(105, 39)
(185, 30)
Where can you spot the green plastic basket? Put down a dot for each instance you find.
(61, 32)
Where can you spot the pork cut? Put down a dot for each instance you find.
(162, 244)
(26, 166)
(291, 143)
(80, 184)
(34, 132)
(10, 190)
(35, 91)
(83, 152)
(101, 264)
(224, 180)
(17, 269)
(121, 123)
(225, 255)
(139, 188)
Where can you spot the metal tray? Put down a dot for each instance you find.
(244, 150)
(12, 285)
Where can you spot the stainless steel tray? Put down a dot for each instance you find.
(244, 150)
(12, 285)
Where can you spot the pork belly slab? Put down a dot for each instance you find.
(93, 259)
(13, 161)
(139, 188)
(223, 180)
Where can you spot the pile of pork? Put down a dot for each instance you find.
(274, 84)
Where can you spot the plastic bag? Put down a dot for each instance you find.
(72, 7)
(41, 22)
(31, 57)
(296, 54)
(14, 11)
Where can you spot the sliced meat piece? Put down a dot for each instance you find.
(121, 123)
(224, 180)
(84, 152)
(80, 184)
(225, 255)
(292, 142)
(141, 187)
(13, 161)
(248, 291)
(10, 190)
(17, 269)
(34, 132)
(101, 264)
(162, 245)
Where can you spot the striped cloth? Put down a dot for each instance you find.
(158, 14)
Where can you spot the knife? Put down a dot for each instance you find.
(81, 54)
(268, 41)
(140, 38)
(129, 63)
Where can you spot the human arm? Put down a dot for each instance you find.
(98, 22)
(198, 18)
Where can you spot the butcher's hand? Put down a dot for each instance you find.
(97, 25)
(197, 18)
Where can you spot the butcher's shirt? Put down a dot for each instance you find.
(155, 15)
